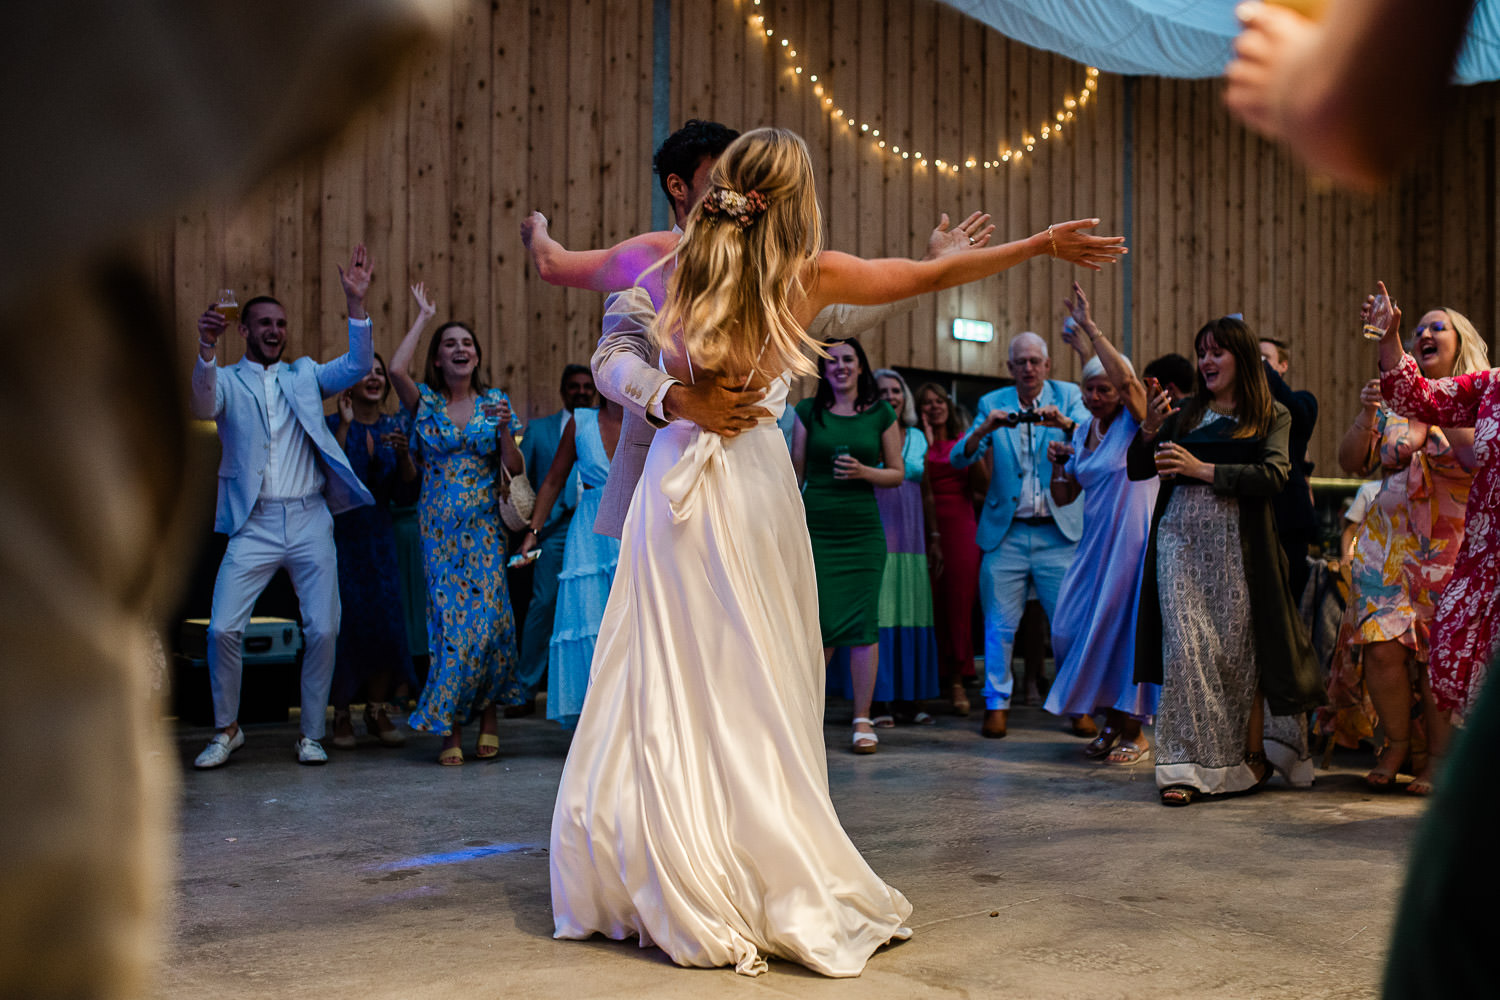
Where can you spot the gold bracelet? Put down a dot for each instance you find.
(1052, 241)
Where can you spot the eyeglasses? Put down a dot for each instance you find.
(1027, 362)
(1436, 326)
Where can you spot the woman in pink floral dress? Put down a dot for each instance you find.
(1403, 558)
(1464, 637)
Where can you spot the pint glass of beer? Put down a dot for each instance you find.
(228, 308)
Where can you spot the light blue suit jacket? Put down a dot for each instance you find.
(233, 398)
(1008, 444)
(539, 448)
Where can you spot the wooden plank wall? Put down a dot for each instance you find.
(548, 105)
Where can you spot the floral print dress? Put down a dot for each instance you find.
(1404, 554)
(1463, 638)
(471, 630)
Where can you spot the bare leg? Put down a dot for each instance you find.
(863, 661)
(1389, 687)
(1439, 732)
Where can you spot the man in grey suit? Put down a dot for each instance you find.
(624, 363)
(282, 477)
(538, 448)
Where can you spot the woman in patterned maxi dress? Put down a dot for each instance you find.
(1218, 627)
(1464, 636)
(463, 432)
(1402, 561)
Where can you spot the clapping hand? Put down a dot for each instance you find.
(970, 234)
(1160, 407)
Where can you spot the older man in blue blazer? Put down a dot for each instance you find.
(1026, 537)
(282, 477)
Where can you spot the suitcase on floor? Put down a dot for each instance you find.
(270, 684)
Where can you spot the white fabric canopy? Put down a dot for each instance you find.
(1183, 38)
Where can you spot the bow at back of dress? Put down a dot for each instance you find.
(704, 454)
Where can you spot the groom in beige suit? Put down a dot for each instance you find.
(625, 362)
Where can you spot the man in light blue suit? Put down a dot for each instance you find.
(539, 447)
(282, 477)
(1025, 536)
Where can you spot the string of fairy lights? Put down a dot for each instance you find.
(1005, 154)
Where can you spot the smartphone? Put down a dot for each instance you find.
(518, 560)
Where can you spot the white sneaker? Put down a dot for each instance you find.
(216, 754)
(310, 751)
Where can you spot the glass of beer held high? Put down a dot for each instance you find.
(228, 308)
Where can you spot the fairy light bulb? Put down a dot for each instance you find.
(1071, 104)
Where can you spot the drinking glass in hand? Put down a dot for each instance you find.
(228, 308)
(1377, 317)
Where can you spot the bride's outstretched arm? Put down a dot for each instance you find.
(844, 278)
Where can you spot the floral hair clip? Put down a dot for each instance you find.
(742, 209)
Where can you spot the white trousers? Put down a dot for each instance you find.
(296, 535)
(1028, 554)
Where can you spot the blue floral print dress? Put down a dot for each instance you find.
(471, 631)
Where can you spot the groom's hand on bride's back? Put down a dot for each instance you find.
(713, 407)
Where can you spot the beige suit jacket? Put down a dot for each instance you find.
(626, 371)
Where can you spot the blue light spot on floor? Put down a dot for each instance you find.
(454, 857)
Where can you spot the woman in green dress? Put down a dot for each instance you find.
(846, 442)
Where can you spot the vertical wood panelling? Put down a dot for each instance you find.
(548, 106)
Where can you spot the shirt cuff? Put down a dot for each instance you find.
(658, 398)
(361, 322)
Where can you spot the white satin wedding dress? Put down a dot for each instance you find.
(693, 811)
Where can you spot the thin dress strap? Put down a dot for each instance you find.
(687, 355)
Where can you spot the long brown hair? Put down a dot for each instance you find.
(434, 378)
(1254, 406)
(954, 427)
(732, 293)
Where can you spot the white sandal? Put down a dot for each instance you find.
(865, 742)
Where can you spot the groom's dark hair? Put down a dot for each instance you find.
(684, 149)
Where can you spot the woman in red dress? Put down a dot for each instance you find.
(953, 553)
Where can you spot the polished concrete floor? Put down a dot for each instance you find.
(1033, 873)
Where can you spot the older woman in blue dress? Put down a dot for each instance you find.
(1093, 632)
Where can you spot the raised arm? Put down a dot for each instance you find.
(354, 364)
(607, 270)
(552, 485)
(845, 278)
(1085, 331)
(1447, 402)
(205, 400)
(406, 352)
(841, 320)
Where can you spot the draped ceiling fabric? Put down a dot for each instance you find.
(1182, 38)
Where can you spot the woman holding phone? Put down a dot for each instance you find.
(463, 432)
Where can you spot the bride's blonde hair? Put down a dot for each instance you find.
(741, 264)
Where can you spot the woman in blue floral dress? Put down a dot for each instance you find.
(461, 432)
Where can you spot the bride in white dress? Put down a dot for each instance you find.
(693, 811)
